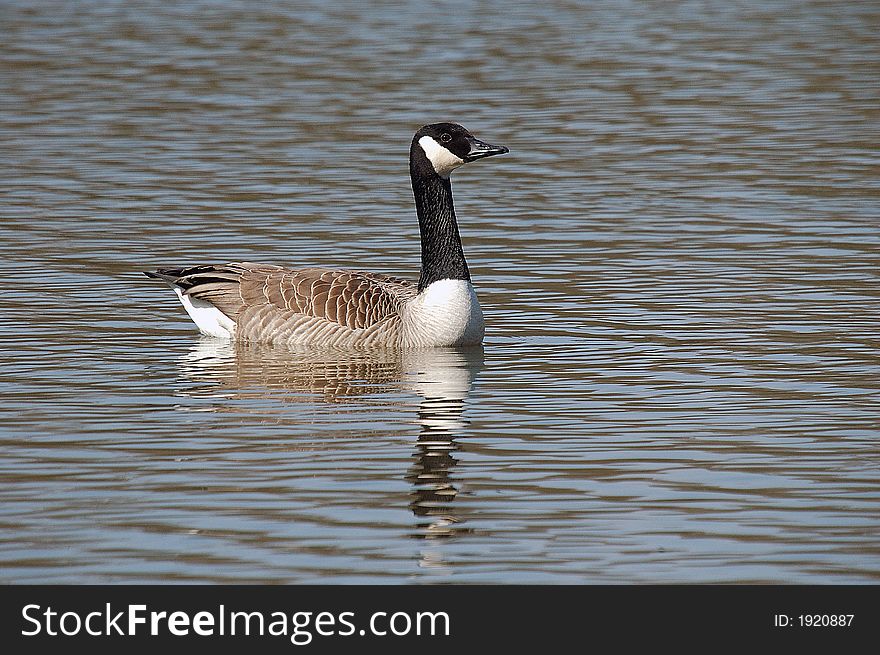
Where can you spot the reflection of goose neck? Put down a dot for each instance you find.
(433, 457)
(445, 390)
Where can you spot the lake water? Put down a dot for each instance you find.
(678, 261)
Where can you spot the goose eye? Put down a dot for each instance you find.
(445, 138)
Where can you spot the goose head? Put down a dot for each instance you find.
(446, 146)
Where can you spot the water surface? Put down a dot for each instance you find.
(678, 263)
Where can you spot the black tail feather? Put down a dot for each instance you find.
(165, 274)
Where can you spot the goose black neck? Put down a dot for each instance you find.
(442, 254)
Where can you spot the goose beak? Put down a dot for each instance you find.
(480, 149)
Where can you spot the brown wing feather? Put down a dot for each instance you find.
(352, 299)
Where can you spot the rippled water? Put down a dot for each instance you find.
(678, 262)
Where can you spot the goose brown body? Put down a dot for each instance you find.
(308, 306)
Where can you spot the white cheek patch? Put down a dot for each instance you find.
(443, 161)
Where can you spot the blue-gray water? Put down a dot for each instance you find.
(678, 263)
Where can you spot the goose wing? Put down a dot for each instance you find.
(350, 299)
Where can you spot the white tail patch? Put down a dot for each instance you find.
(210, 320)
(442, 159)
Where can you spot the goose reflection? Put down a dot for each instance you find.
(442, 378)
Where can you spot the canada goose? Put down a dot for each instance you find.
(339, 308)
